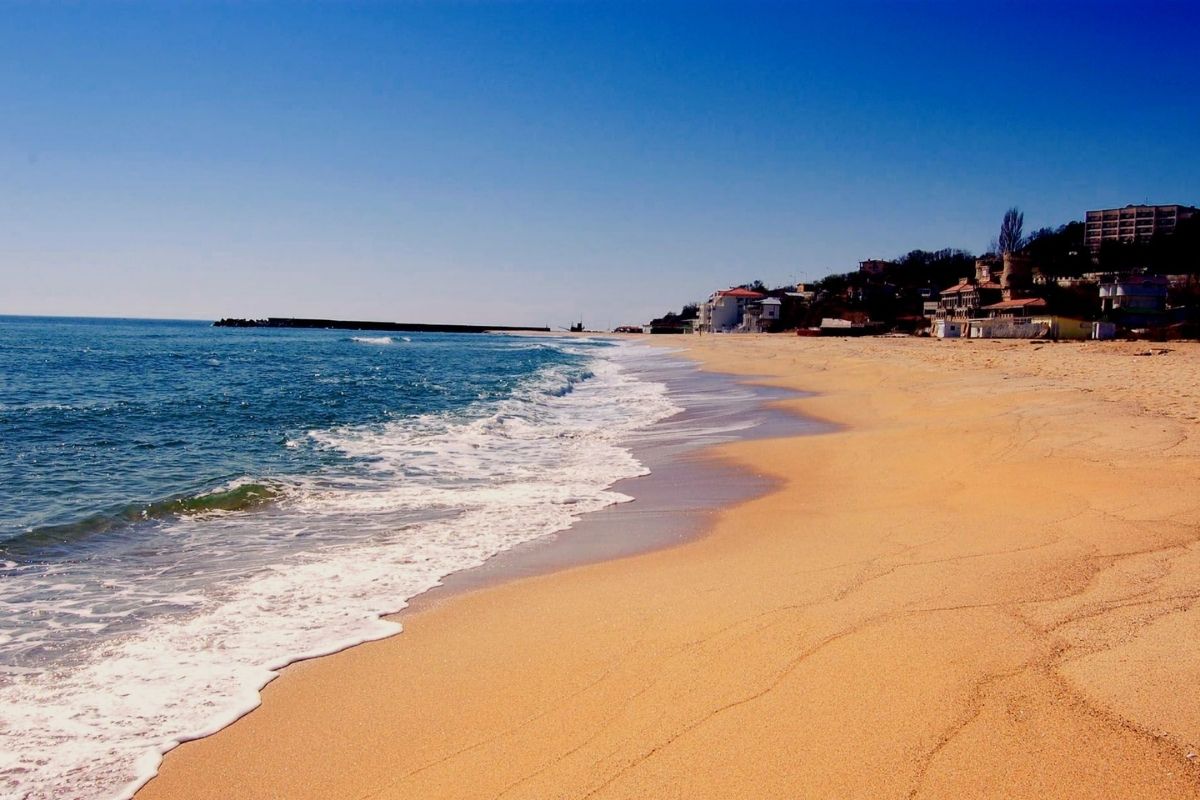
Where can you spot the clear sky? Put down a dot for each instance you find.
(528, 163)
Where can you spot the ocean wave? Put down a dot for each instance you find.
(427, 496)
(377, 340)
(239, 495)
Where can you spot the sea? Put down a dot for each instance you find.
(184, 509)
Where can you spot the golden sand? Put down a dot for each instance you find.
(984, 585)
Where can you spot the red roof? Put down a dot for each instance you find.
(740, 292)
(962, 286)
(1024, 302)
(967, 285)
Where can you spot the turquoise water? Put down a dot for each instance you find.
(185, 509)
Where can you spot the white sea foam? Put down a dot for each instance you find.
(372, 339)
(441, 494)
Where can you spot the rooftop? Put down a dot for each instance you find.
(1023, 302)
(967, 285)
(740, 292)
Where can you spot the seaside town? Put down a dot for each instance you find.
(1131, 272)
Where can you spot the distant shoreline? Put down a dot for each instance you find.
(359, 325)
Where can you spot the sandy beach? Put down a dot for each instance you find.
(983, 583)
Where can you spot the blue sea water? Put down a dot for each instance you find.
(105, 418)
(185, 509)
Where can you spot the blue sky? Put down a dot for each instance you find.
(529, 163)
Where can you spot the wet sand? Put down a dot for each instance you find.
(685, 487)
(983, 583)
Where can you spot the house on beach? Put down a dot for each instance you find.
(725, 310)
(964, 300)
(760, 316)
(982, 308)
(1140, 294)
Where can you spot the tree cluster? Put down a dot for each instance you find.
(1060, 252)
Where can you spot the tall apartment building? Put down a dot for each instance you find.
(1132, 222)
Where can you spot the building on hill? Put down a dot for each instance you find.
(804, 292)
(1132, 223)
(874, 266)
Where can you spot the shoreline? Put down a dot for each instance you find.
(672, 504)
(714, 408)
(760, 654)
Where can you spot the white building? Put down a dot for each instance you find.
(948, 328)
(771, 308)
(1138, 293)
(726, 309)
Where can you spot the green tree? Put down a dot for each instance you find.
(934, 270)
(1060, 252)
(1177, 253)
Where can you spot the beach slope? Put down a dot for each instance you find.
(984, 583)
